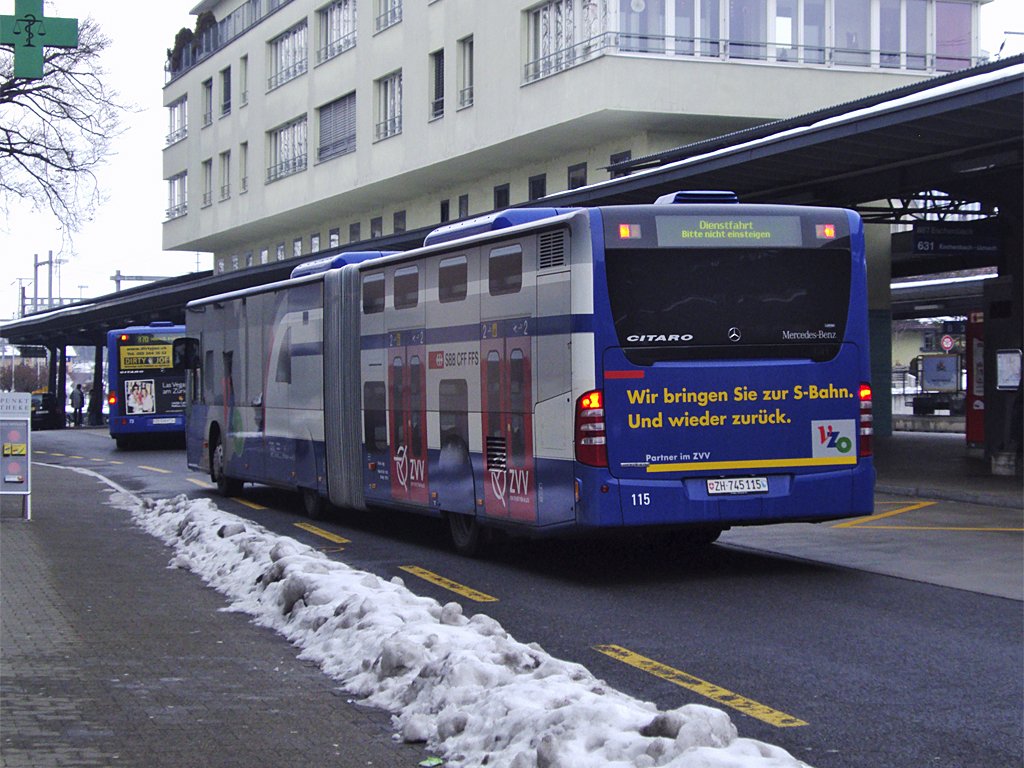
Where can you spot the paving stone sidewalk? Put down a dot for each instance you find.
(110, 658)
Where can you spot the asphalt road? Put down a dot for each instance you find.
(814, 650)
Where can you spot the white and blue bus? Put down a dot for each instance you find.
(684, 366)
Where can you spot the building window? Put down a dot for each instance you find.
(577, 176)
(177, 195)
(243, 81)
(248, 258)
(207, 183)
(225, 175)
(616, 159)
(314, 242)
(334, 238)
(243, 167)
(437, 84)
(952, 35)
(814, 32)
(538, 186)
(207, 102)
(463, 206)
(264, 255)
(853, 34)
(501, 196)
(225, 91)
(446, 211)
(389, 13)
(337, 29)
(280, 251)
(465, 76)
(376, 227)
(287, 56)
(389, 106)
(748, 29)
(177, 115)
(642, 26)
(551, 37)
(297, 246)
(287, 149)
(337, 127)
(399, 222)
(917, 34)
(353, 232)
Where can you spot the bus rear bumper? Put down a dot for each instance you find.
(790, 497)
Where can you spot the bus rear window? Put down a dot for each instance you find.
(699, 303)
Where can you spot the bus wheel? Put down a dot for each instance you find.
(228, 486)
(467, 536)
(314, 504)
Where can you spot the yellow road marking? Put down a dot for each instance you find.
(883, 515)
(703, 687)
(76, 457)
(95, 459)
(156, 469)
(112, 461)
(941, 528)
(249, 504)
(58, 454)
(451, 586)
(323, 534)
(200, 483)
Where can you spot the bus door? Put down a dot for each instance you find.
(507, 417)
(407, 404)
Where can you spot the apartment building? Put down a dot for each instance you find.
(297, 126)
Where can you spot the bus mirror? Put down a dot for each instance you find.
(186, 354)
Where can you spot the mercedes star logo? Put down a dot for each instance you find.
(734, 334)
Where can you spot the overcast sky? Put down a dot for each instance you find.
(126, 233)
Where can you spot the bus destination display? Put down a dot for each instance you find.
(728, 231)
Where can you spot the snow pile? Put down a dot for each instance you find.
(460, 684)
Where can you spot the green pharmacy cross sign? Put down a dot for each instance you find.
(28, 32)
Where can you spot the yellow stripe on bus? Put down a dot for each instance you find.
(709, 690)
(707, 466)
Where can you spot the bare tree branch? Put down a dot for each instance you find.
(55, 132)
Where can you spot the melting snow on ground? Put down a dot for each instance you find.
(462, 685)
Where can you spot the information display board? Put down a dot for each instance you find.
(16, 446)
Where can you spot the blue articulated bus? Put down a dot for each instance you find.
(145, 394)
(683, 366)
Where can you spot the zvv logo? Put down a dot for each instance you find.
(832, 438)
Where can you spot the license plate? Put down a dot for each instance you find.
(171, 420)
(737, 485)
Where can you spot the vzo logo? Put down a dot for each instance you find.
(828, 437)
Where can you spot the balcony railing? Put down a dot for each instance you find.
(286, 168)
(336, 47)
(177, 211)
(388, 127)
(389, 17)
(236, 23)
(285, 74)
(665, 46)
(177, 135)
(466, 97)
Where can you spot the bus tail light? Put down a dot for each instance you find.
(112, 398)
(591, 436)
(867, 426)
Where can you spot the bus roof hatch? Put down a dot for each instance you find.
(697, 197)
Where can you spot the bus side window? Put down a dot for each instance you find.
(375, 419)
(505, 270)
(208, 379)
(452, 279)
(373, 294)
(284, 359)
